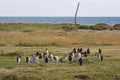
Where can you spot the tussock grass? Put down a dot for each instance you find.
(100, 26)
(48, 37)
(116, 26)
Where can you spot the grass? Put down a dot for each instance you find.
(47, 37)
(28, 27)
(60, 39)
(108, 69)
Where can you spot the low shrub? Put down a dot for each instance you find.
(116, 26)
(84, 27)
(69, 27)
(100, 26)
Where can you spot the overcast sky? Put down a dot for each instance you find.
(59, 7)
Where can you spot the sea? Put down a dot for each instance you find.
(59, 20)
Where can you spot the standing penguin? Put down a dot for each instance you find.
(27, 59)
(47, 52)
(74, 50)
(70, 58)
(32, 59)
(79, 55)
(46, 59)
(56, 59)
(61, 60)
(51, 57)
(80, 50)
(85, 54)
(36, 60)
(81, 61)
(18, 59)
(99, 51)
(88, 51)
(39, 55)
(100, 57)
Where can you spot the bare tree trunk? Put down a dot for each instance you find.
(76, 12)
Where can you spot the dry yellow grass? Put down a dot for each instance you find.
(59, 37)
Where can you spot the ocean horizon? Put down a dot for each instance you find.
(59, 20)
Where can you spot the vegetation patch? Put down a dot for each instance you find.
(84, 27)
(14, 53)
(3, 44)
(69, 27)
(16, 77)
(116, 26)
(100, 26)
(82, 77)
(10, 77)
(116, 78)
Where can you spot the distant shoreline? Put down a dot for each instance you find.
(59, 20)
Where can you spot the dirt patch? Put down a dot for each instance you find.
(82, 77)
(117, 78)
(10, 77)
(16, 77)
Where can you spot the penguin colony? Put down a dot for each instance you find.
(77, 54)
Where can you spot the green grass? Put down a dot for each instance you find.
(28, 27)
(109, 69)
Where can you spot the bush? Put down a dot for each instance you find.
(84, 27)
(69, 27)
(116, 26)
(100, 26)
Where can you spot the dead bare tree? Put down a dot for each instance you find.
(76, 13)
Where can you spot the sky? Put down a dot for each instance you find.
(64, 8)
